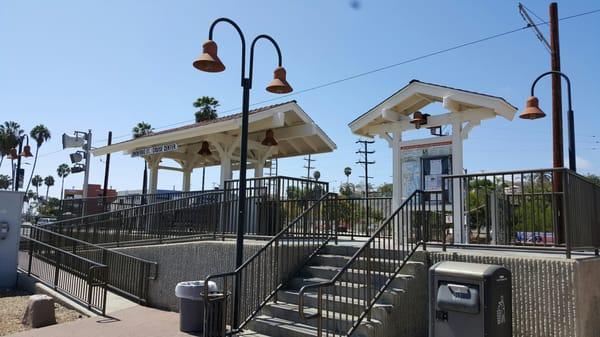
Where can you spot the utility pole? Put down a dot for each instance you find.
(365, 152)
(557, 122)
(308, 166)
(203, 176)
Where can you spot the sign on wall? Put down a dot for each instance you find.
(154, 150)
(414, 175)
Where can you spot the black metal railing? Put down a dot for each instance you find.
(350, 295)
(582, 213)
(359, 217)
(126, 275)
(529, 208)
(74, 276)
(271, 203)
(75, 207)
(188, 218)
(256, 281)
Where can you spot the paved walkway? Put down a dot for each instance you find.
(137, 321)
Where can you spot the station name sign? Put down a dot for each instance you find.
(154, 150)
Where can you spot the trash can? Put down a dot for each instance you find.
(469, 300)
(191, 308)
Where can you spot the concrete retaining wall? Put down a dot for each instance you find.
(185, 262)
(552, 297)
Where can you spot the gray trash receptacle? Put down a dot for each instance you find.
(469, 299)
(191, 304)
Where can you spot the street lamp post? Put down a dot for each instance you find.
(210, 62)
(22, 152)
(533, 111)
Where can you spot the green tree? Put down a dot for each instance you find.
(9, 138)
(63, 170)
(48, 181)
(37, 181)
(207, 108)
(5, 182)
(40, 134)
(347, 173)
(594, 178)
(140, 130)
(385, 190)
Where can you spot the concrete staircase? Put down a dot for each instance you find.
(401, 311)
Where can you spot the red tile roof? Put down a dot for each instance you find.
(217, 120)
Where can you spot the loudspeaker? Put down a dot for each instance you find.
(69, 141)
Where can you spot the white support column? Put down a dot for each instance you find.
(397, 170)
(394, 143)
(153, 166)
(259, 168)
(457, 168)
(187, 179)
(225, 170)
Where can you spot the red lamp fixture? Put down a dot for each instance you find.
(209, 61)
(269, 139)
(279, 84)
(532, 109)
(205, 150)
(419, 119)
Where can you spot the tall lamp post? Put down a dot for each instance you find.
(210, 62)
(22, 152)
(532, 111)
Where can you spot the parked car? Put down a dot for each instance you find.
(45, 221)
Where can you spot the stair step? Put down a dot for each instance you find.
(341, 260)
(354, 275)
(337, 322)
(249, 333)
(338, 303)
(279, 327)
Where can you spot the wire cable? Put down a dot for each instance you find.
(372, 71)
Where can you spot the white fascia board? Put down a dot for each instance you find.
(306, 118)
(426, 141)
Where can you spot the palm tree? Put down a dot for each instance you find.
(347, 172)
(208, 108)
(37, 181)
(63, 171)
(317, 175)
(9, 138)
(140, 130)
(40, 134)
(48, 181)
(4, 182)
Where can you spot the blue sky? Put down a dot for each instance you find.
(107, 65)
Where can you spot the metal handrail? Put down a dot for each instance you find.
(272, 241)
(138, 207)
(94, 265)
(38, 228)
(345, 268)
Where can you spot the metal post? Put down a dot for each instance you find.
(17, 175)
(106, 172)
(86, 176)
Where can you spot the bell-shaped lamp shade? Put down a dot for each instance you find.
(13, 153)
(209, 60)
(204, 150)
(532, 109)
(269, 139)
(419, 119)
(279, 84)
(26, 152)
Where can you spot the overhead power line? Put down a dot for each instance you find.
(375, 70)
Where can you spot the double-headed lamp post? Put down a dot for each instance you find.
(210, 62)
(22, 152)
(532, 111)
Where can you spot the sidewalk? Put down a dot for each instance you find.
(132, 322)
